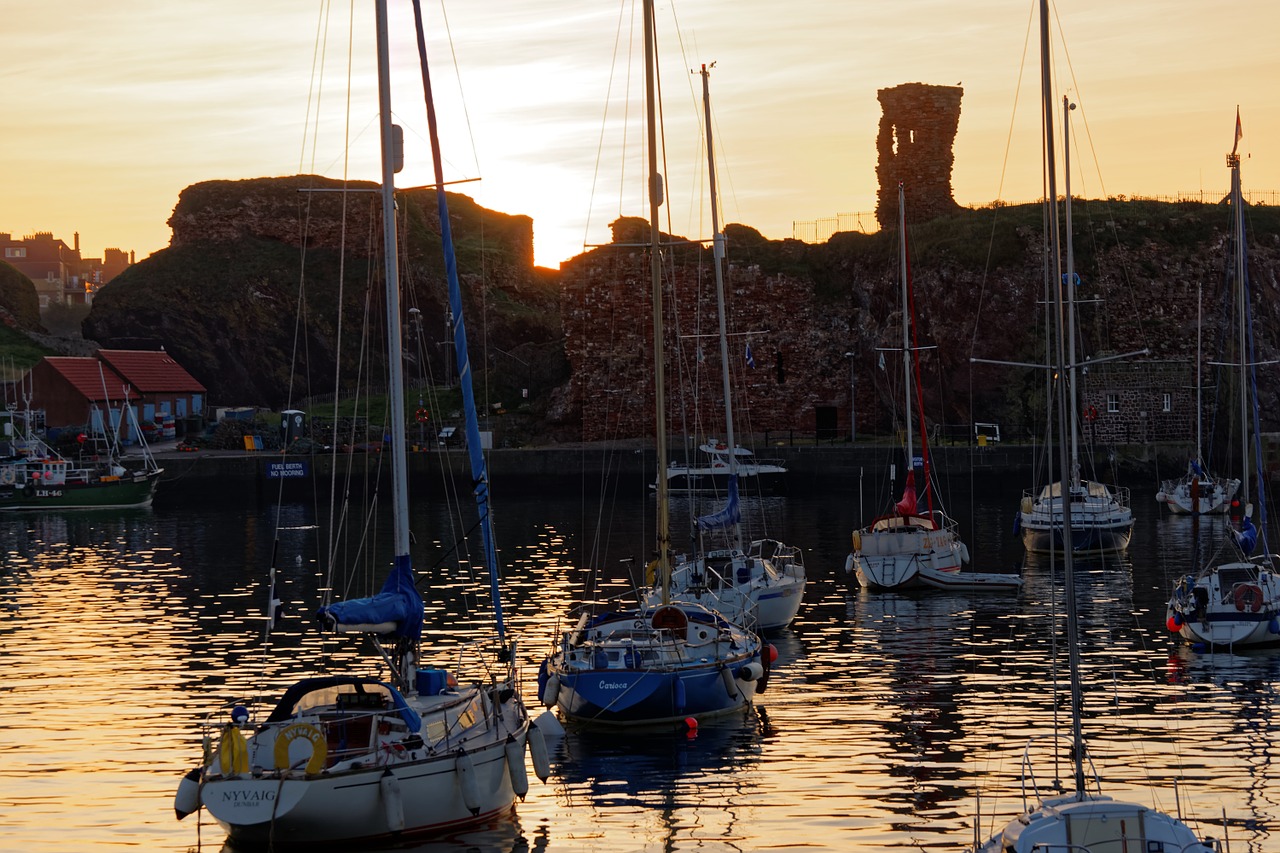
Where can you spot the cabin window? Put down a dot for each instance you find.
(1113, 403)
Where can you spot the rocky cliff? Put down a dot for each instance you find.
(249, 294)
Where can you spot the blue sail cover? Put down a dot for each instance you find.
(398, 602)
(728, 515)
(1246, 536)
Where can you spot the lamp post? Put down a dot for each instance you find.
(853, 399)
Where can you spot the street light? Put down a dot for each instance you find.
(853, 400)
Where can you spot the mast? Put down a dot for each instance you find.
(479, 471)
(1242, 317)
(395, 361)
(717, 252)
(655, 272)
(906, 334)
(1059, 304)
(1069, 285)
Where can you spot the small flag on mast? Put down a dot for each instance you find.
(751, 359)
(1239, 132)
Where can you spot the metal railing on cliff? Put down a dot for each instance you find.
(820, 230)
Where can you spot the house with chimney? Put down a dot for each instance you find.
(60, 274)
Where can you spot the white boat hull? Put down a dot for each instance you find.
(1230, 606)
(891, 555)
(306, 810)
(1211, 496)
(760, 593)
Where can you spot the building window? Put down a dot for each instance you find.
(1113, 403)
(1167, 404)
(15, 252)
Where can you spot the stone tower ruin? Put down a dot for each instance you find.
(918, 125)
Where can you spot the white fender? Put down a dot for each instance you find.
(751, 672)
(538, 751)
(187, 798)
(467, 781)
(726, 675)
(515, 766)
(551, 692)
(392, 801)
(549, 724)
(848, 564)
(964, 552)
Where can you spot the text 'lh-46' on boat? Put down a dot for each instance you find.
(1082, 820)
(669, 660)
(343, 757)
(1235, 601)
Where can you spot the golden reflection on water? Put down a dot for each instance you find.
(885, 717)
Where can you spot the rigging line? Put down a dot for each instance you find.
(604, 124)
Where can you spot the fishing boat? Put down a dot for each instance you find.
(1103, 517)
(915, 543)
(1082, 819)
(665, 661)
(34, 475)
(408, 750)
(1198, 492)
(1234, 600)
(760, 585)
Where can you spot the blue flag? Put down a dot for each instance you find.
(751, 360)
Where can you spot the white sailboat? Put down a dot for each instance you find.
(1103, 516)
(709, 474)
(1236, 602)
(364, 756)
(912, 545)
(1082, 820)
(667, 660)
(1198, 492)
(762, 586)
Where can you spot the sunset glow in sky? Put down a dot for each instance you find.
(111, 110)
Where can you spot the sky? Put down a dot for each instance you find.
(110, 110)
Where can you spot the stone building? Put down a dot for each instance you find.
(917, 131)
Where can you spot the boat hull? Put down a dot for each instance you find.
(1084, 540)
(130, 491)
(1094, 822)
(891, 556)
(1208, 498)
(1230, 606)
(605, 697)
(354, 806)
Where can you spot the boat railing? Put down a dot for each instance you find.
(1031, 789)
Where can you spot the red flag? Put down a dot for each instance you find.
(907, 506)
(1239, 132)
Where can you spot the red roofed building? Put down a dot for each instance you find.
(70, 389)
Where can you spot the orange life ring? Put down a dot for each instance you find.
(1090, 413)
(422, 416)
(1248, 596)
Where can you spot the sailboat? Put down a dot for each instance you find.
(1103, 517)
(1081, 820)
(368, 757)
(763, 586)
(1198, 492)
(666, 660)
(1236, 603)
(910, 546)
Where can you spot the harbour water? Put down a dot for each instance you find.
(891, 722)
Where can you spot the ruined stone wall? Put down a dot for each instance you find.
(917, 130)
(606, 307)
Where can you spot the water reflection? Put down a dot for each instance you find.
(884, 717)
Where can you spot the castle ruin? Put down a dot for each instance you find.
(917, 130)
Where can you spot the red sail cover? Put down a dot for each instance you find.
(907, 506)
